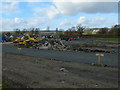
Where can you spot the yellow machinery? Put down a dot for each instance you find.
(27, 41)
(17, 40)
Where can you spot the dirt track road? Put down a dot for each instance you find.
(21, 71)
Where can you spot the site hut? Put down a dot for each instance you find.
(48, 34)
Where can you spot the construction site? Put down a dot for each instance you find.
(59, 44)
(59, 63)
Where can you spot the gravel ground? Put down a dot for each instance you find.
(89, 45)
(90, 41)
(21, 71)
(75, 56)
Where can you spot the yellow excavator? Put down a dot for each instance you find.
(17, 40)
(27, 41)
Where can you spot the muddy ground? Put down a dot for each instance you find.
(21, 71)
(89, 45)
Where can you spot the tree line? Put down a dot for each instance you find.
(115, 31)
(74, 31)
(32, 31)
(77, 31)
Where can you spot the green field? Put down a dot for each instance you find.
(110, 39)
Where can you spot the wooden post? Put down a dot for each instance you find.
(98, 59)
(99, 55)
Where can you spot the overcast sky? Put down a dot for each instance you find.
(57, 14)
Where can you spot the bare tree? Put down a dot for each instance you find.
(115, 30)
(80, 29)
(17, 32)
(37, 32)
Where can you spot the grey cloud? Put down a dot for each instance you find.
(71, 8)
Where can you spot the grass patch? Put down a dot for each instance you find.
(110, 39)
(5, 87)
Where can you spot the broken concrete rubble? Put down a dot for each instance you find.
(53, 44)
(63, 69)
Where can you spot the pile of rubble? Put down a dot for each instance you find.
(53, 44)
(94, 48)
